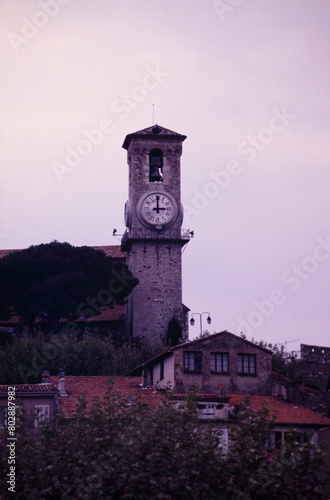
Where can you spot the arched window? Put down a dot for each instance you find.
(155, 165)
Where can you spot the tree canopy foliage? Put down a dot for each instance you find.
(23, 361)
(115, 451)
(280, 360)
(54, 280)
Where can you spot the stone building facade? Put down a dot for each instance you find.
(221, 363)
(34, 403)
(315, 361)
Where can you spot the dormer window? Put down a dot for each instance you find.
(156, 165)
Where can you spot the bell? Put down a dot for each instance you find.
(156, 161)
(155, 174)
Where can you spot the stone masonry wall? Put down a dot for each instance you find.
(154, 256)
(158, 297)
(314, 366)
(233, 382)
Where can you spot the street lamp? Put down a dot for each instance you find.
(208, 319)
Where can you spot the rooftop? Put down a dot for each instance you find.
(285, 413)
(26, 388)
(130, 389)
(114, 312)
(95, 388)
(155, 131)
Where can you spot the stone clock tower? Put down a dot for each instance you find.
(153, 240)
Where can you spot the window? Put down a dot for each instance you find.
(41, 414)
(295, 437)
(192, 361)
(155, 165)
(246, 364)
(279, 438)
(219, 362)
(209, 410)
(161, 375)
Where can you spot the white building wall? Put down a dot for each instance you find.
(168, 380)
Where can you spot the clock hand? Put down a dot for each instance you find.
(157, 207)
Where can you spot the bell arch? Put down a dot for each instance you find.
(156, 165)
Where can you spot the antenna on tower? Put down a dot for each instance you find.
(153, 114)
(288, 342)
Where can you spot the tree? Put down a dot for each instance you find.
(257, 471)
(57, 280)
(113, 450)
(23, 361)
(280, 359)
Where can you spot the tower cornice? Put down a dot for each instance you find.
(152, 133)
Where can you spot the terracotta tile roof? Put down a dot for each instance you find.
(94, 387)
(202, 397)
(112, 251)
(3, 253)
(14, 319)
(130, 389)
(285, 413)
(114, 313)
(30, 388)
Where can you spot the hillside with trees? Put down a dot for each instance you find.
(23, 360)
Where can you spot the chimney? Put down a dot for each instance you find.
(45, 377)
(61, 383)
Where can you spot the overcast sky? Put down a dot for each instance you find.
(246, 80)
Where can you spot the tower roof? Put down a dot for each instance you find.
(151, 133)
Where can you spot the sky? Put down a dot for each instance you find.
(246, 80)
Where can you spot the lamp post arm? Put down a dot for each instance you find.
(200, 319)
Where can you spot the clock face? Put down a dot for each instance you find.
(157, 210)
